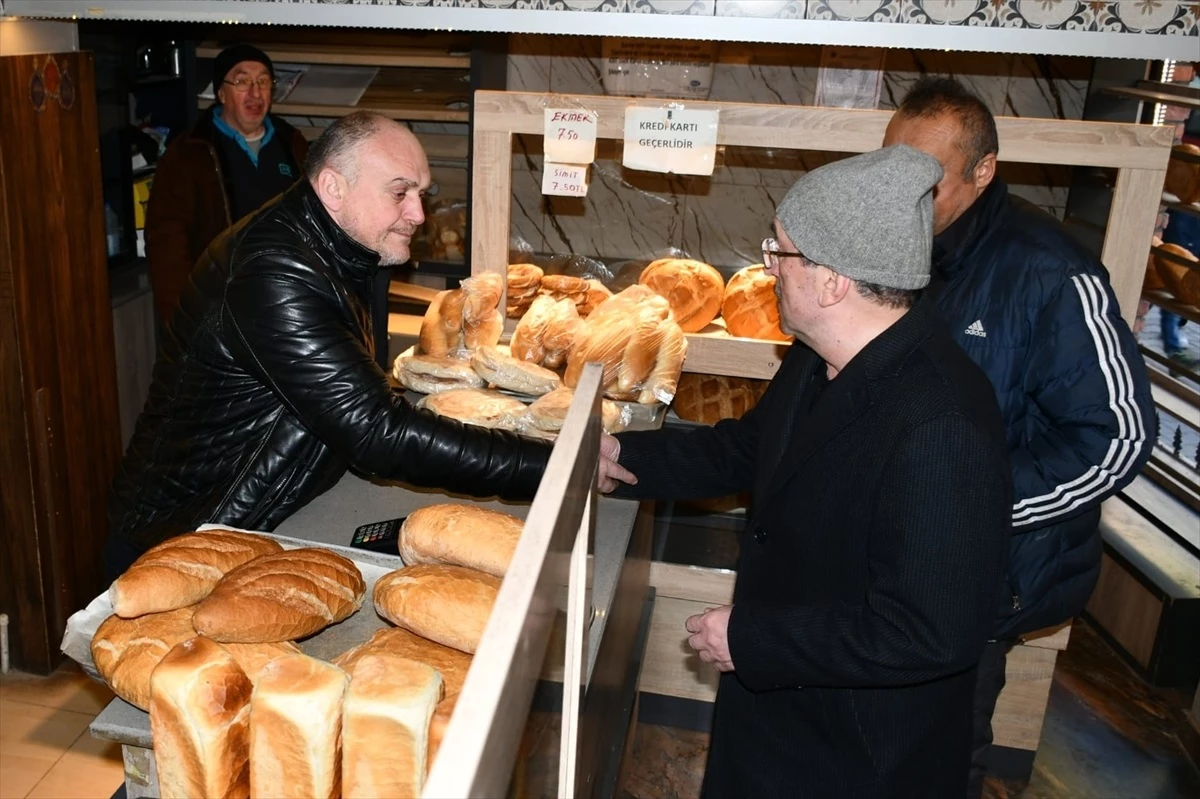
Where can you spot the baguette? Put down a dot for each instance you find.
(295, 729)
(126, 651)
(450, 663)
(183, 570)
(460, 535)
(385, 727)
(447, 604)
(281, 597)
(200, 722)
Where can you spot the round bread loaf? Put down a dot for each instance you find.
(750, 308)
(1152, 282)
(523, 279)
(694, 290)
(708, 399)
(1183, 173)
(1171, 271)
(1189, 288)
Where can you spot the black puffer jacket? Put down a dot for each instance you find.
(266, 390)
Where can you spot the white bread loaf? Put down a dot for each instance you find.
(450, 663)
(625, 327)
(507, 372)
(548, 412)
(447, 604)
(461, 535)
(693, 288)
(200, 722)
(562, 328)
(126, 651)
(385, 727)
(750, 308)
(295, 729)
(281, 597)
(438, 725)
(478, 406)
(253, 657)
(430, 374)
(183, 570)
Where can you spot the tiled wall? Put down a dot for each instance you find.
(723, 218)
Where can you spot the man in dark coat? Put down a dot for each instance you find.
(873, 552)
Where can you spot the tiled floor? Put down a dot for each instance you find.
(46, 751)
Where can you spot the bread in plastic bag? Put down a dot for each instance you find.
(463, 319)
(478, 406)
(547, 413)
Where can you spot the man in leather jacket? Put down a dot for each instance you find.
(266, 389)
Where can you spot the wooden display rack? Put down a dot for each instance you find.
(1139, 153)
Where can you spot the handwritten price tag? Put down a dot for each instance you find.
(565, 180)
(570, 136)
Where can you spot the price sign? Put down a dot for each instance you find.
(671, 140)
(570, 136)
(565, 180)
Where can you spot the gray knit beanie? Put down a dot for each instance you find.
(869, 217)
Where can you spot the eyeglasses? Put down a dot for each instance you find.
(771, 254)
(243, 84)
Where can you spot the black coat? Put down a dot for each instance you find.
(870, 567)
(266, 389)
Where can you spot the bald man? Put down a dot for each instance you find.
(267, 388)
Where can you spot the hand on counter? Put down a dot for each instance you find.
(611, 473)
(710, 636)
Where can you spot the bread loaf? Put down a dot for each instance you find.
(1172, 270)
(447, 604)
(527, 337)
(750, 308)
(441, 327)
(482, 322)
(505, 371)
(562, 328)
(126, 651)
(295, 729)
(548, 412)
(668, 364)
(524, 282)
(477, 406)
(461, 535)
(597, 293)
(450, 663)
(385, 727)
(253, 657)
(439, 723)
(1183, 173)
(183, 570)
(1152, 282)
(566, 287)
(200, 722)
(694, 290)
(710, 398)
(429, 374)
(281, 597)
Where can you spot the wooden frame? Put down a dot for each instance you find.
(1139, 153)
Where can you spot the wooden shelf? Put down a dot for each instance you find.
(1155, 96)
(1159, 252)
(1165, 300)
(1171, 201)
(426, 57)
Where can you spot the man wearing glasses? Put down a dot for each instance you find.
(235, 158)
(874, 549)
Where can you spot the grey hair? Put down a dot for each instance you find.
(334, 147)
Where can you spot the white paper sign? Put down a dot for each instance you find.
(565, 180)
(671, 139)
(570, 135)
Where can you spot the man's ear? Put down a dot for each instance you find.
(331, 186)
(984, 173)
(834, 288)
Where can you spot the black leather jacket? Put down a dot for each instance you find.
(266, 390)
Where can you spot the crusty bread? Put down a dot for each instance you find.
(477, 406)
(505, 371)
(183, 570)
(441, 327)
(385, 727)
(295, 729)
(126, 651)
(1183, 173)
(447, 604)
(200, 722)
(439, 723)
(694, 290)
(549, 411)
(450, 663)
(1170, 270)
(462, 535)
(710, 398)
(253, 657)
(281, 597)
(1152, 282)
(430, 374)
(749, 306)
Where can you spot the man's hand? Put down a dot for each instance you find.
(611, 473)
(710, 636)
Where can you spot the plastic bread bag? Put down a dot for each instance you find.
(546, 415)
(482, 319)
(446, 231)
